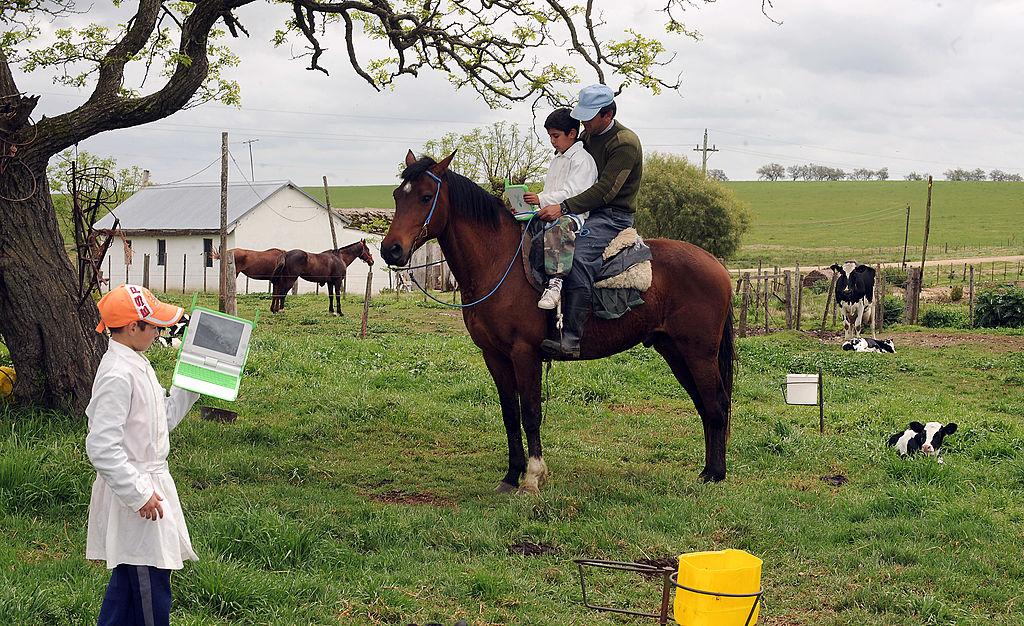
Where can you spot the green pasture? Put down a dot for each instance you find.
(356, 485)
(815, 223)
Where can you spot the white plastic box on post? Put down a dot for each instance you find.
(802, 389)
(807, 389)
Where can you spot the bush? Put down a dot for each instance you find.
(1003, 306)
(893, 310)
(678, 202)
(956, 294)
(895, 276)
(945, 317)
(819, 287)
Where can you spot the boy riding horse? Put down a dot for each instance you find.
(611, 202)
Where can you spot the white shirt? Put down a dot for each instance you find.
(129, 419)
(570, 173)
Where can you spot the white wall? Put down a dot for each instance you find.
(288, 220)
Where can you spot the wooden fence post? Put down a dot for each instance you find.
(788, 279)
(247, 285)
(145, 271)
(970, 298)
(230, 299)
(766, 329)
(165, 273)
(744, 303)
(879, 298)
(757, 294)
(799, 297)
(184, 272)
(912, 304)
(204, 273)
(366, 304)
(829, 300)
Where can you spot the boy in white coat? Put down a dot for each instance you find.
(571, 172)
(135, 519)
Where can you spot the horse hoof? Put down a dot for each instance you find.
(504, 487)
(529, 490)
(708, 476)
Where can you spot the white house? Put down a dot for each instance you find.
(178, 226)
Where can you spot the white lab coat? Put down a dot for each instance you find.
(570, 173)
(129, 419)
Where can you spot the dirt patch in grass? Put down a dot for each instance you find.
(993, 343)
(401, 497)
(528, 548)
(836, 480)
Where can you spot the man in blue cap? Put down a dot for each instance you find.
(611, 201)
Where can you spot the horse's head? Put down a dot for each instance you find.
(364, 253)
(421, 208)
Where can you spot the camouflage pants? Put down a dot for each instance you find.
(559, 246)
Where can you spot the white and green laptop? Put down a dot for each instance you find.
(213, 353)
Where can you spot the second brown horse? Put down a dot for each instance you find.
(325, 268)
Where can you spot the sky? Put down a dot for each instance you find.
(909, 85)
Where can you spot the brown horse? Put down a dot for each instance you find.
(687, 315)
(327, 267)
(256, 264)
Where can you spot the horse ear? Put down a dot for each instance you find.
(442, 167)
(410, 158)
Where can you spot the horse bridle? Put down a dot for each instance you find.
(430, 215)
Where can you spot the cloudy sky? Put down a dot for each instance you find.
(910, 85)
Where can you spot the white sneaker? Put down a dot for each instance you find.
(549, 299)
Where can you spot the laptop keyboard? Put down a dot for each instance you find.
(206, 375)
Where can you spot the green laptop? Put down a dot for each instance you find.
(213, 354)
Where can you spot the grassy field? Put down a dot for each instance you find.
(356, 485)
(820, 222)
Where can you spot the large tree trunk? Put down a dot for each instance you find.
(52, 340)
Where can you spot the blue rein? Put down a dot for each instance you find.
(423, 232)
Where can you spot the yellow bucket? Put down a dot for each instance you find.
(732, 572)
(7, 379)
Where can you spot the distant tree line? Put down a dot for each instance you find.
(812, 171)
(979, 174)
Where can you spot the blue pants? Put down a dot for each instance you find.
(137, 595)
(598, 231)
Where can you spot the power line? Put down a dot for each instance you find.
(263, 201)
(192, 175)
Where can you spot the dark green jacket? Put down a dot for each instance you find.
(620, 160)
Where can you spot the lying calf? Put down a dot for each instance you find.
(869, 345)
(174, 334)
(924, 437)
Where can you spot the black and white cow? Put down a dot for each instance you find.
(855, 289)
(173, 335)
(920, 437)
(870, 345)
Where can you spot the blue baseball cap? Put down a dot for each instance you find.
(592, 99)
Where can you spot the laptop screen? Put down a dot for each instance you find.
(218, 334)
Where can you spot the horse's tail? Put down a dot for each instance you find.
(726, 356)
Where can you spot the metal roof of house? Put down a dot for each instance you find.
(193, 206)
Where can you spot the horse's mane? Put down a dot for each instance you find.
(465, 197)
(350, 246)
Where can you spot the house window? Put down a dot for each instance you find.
(208, 252)
(161, 252)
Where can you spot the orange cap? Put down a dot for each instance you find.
(131, 303)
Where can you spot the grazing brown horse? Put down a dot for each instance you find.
(256, 264)
(327, 267)
(687, 315)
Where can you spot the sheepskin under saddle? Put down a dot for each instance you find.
(624, 277)
(625, 273)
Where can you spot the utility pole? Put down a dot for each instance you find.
(704, 156)
(927, 226)
(252, 170)
(906, 238)
(330, 214)
(223, 221)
